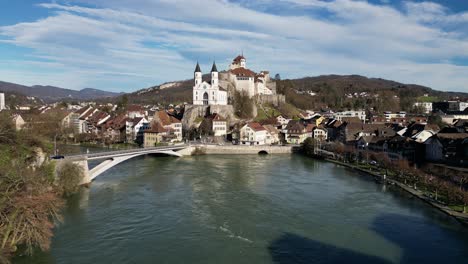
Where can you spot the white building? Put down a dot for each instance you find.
(2, 101)
(172, 125)
(463, 106)
(320, 133)
(219, 125)
(247, 81)
(427, 106)
(208, 93)
(253, 134)
(282, 121)
(361, 114)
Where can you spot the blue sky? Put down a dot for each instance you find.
(125, 45)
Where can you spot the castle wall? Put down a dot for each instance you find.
(274, 99)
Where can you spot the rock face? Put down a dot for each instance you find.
(194, 112)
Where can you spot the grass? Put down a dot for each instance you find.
(268, 113)
(427, 99)
(458, 208)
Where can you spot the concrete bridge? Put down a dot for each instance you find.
(112, 158)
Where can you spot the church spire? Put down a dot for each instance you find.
(197, 68)
(213, 68)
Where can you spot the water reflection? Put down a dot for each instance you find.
(295, 249)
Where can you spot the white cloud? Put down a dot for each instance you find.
(142, 42)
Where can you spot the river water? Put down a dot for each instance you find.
(249, 209)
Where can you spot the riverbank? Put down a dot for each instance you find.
(461, 217)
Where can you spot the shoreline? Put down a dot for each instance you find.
(460, 217)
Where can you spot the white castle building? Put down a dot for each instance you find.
(238, 76)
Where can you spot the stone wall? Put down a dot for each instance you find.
(274, 99)
(192, 112)
(236, 149)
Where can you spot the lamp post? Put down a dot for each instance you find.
(55, 144)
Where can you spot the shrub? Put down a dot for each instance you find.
(69, 177)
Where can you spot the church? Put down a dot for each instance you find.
(237, 78)
(208, 92)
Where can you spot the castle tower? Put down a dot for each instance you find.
(197, 75)
(214, 75)
(242, 61)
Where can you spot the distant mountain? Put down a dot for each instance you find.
(52, 93)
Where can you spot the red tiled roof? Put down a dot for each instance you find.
(310, 127)
(156, 128)
(243, 72)
(256, 126)
(166, 119)
(218, 117)
(135, 108)
(82, 110)
(238, 59)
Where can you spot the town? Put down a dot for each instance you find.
(434, 133)
(223, 131)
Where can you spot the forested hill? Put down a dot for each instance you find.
(355, 91)
(333, 91)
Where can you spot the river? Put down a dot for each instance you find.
(248, 209)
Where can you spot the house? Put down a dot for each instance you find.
(95, 121)
(18, 121)
(332, 126)
(253, 134)
(363, 142)
(219, 125)
(454, 146)
(137, 126)
(296, 132)
(135, 111)
(154, 135)
(273, 135)
(434, 150)
(172, 125)
(361, 114)
(114, 129)
(282, 121)
(320, 133)
(79, 117)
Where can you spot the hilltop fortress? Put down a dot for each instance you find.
(220, 89)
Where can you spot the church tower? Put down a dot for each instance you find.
(214, 75)
(197, 75)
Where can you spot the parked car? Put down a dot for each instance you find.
(57, 157)
(373, 162)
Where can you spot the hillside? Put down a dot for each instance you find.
(334, 91)
(172, 92)
(354, 91)
(52, 94)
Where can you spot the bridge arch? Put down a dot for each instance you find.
(113, 161)
(263, 152)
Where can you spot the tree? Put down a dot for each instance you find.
(123, 102)
(243, 105)
(277, 77)
(308, 146)
(69, 177)
(436, 120)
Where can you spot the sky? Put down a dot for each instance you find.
(126, 45)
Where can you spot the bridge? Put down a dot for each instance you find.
(112, 158)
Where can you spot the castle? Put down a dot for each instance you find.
(237, 78)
